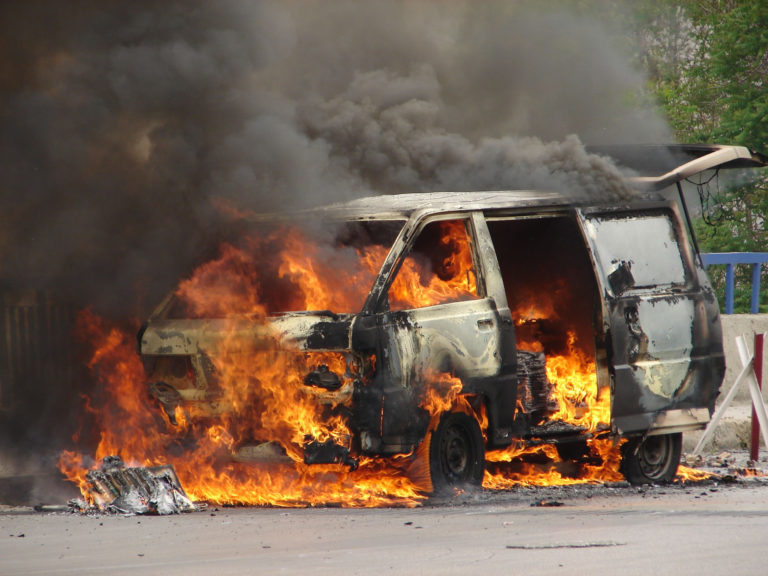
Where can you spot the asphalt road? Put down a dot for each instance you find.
(703, 529)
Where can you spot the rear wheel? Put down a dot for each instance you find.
(456, 453)
(653, 460)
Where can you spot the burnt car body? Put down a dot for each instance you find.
(621, 280)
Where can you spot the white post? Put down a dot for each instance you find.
(747, 373)
(754, 389)
(710, 429)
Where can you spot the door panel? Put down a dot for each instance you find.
(459, 338)
(439, 318)
(467, 333)
(653, 311)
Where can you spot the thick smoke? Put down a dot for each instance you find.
(123, 125)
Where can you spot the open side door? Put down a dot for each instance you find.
(656, 321)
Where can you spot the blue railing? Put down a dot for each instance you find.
(730, 259)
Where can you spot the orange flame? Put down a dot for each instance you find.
(200, 454)
(542, 466)
(452, 280)
(441, 394)
(262, 399)
(575, 388)
(579, 402)
(263, 394)
(686, 474)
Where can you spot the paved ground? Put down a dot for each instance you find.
(714, 527)
(709, 528)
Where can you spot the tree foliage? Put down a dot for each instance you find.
(708, 65)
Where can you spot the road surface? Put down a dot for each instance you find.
(702, 529)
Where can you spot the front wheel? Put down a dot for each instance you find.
(653, 460)
(456, 453)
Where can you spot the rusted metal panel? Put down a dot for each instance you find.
(36, 346)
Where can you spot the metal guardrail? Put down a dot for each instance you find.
(36, 349)
(730, 260)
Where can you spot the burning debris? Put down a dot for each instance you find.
(725, 467)
(534, 388)
(144, 490)
(328, 452)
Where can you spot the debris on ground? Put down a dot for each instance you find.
(728, 467)
(543, 503)
(693, 460)
(140, 490)
(723, 459)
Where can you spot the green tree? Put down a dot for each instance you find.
(721, 96)
(707, 65)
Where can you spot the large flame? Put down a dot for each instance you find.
(579, 401)
(452, 279)
(264, 401)
(141, 435)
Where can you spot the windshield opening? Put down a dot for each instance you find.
(287, 268)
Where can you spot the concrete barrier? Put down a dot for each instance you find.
(733, 431)
(736, 325)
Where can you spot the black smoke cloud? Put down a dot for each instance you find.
(124, 124)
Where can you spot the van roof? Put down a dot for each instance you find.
(663, 162)
(403, 205)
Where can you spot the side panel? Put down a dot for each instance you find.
(460, 338)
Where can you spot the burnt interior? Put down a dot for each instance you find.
(552, 296)
(545, 266)
(434, 250)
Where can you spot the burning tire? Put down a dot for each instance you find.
(653, 460)
(456, 453)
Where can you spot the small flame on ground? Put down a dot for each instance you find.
(687, 474)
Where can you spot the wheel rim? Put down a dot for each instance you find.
(456, 453)
(654, 456)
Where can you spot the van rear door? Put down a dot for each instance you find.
(655, 318)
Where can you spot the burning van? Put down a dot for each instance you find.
(452, 325)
